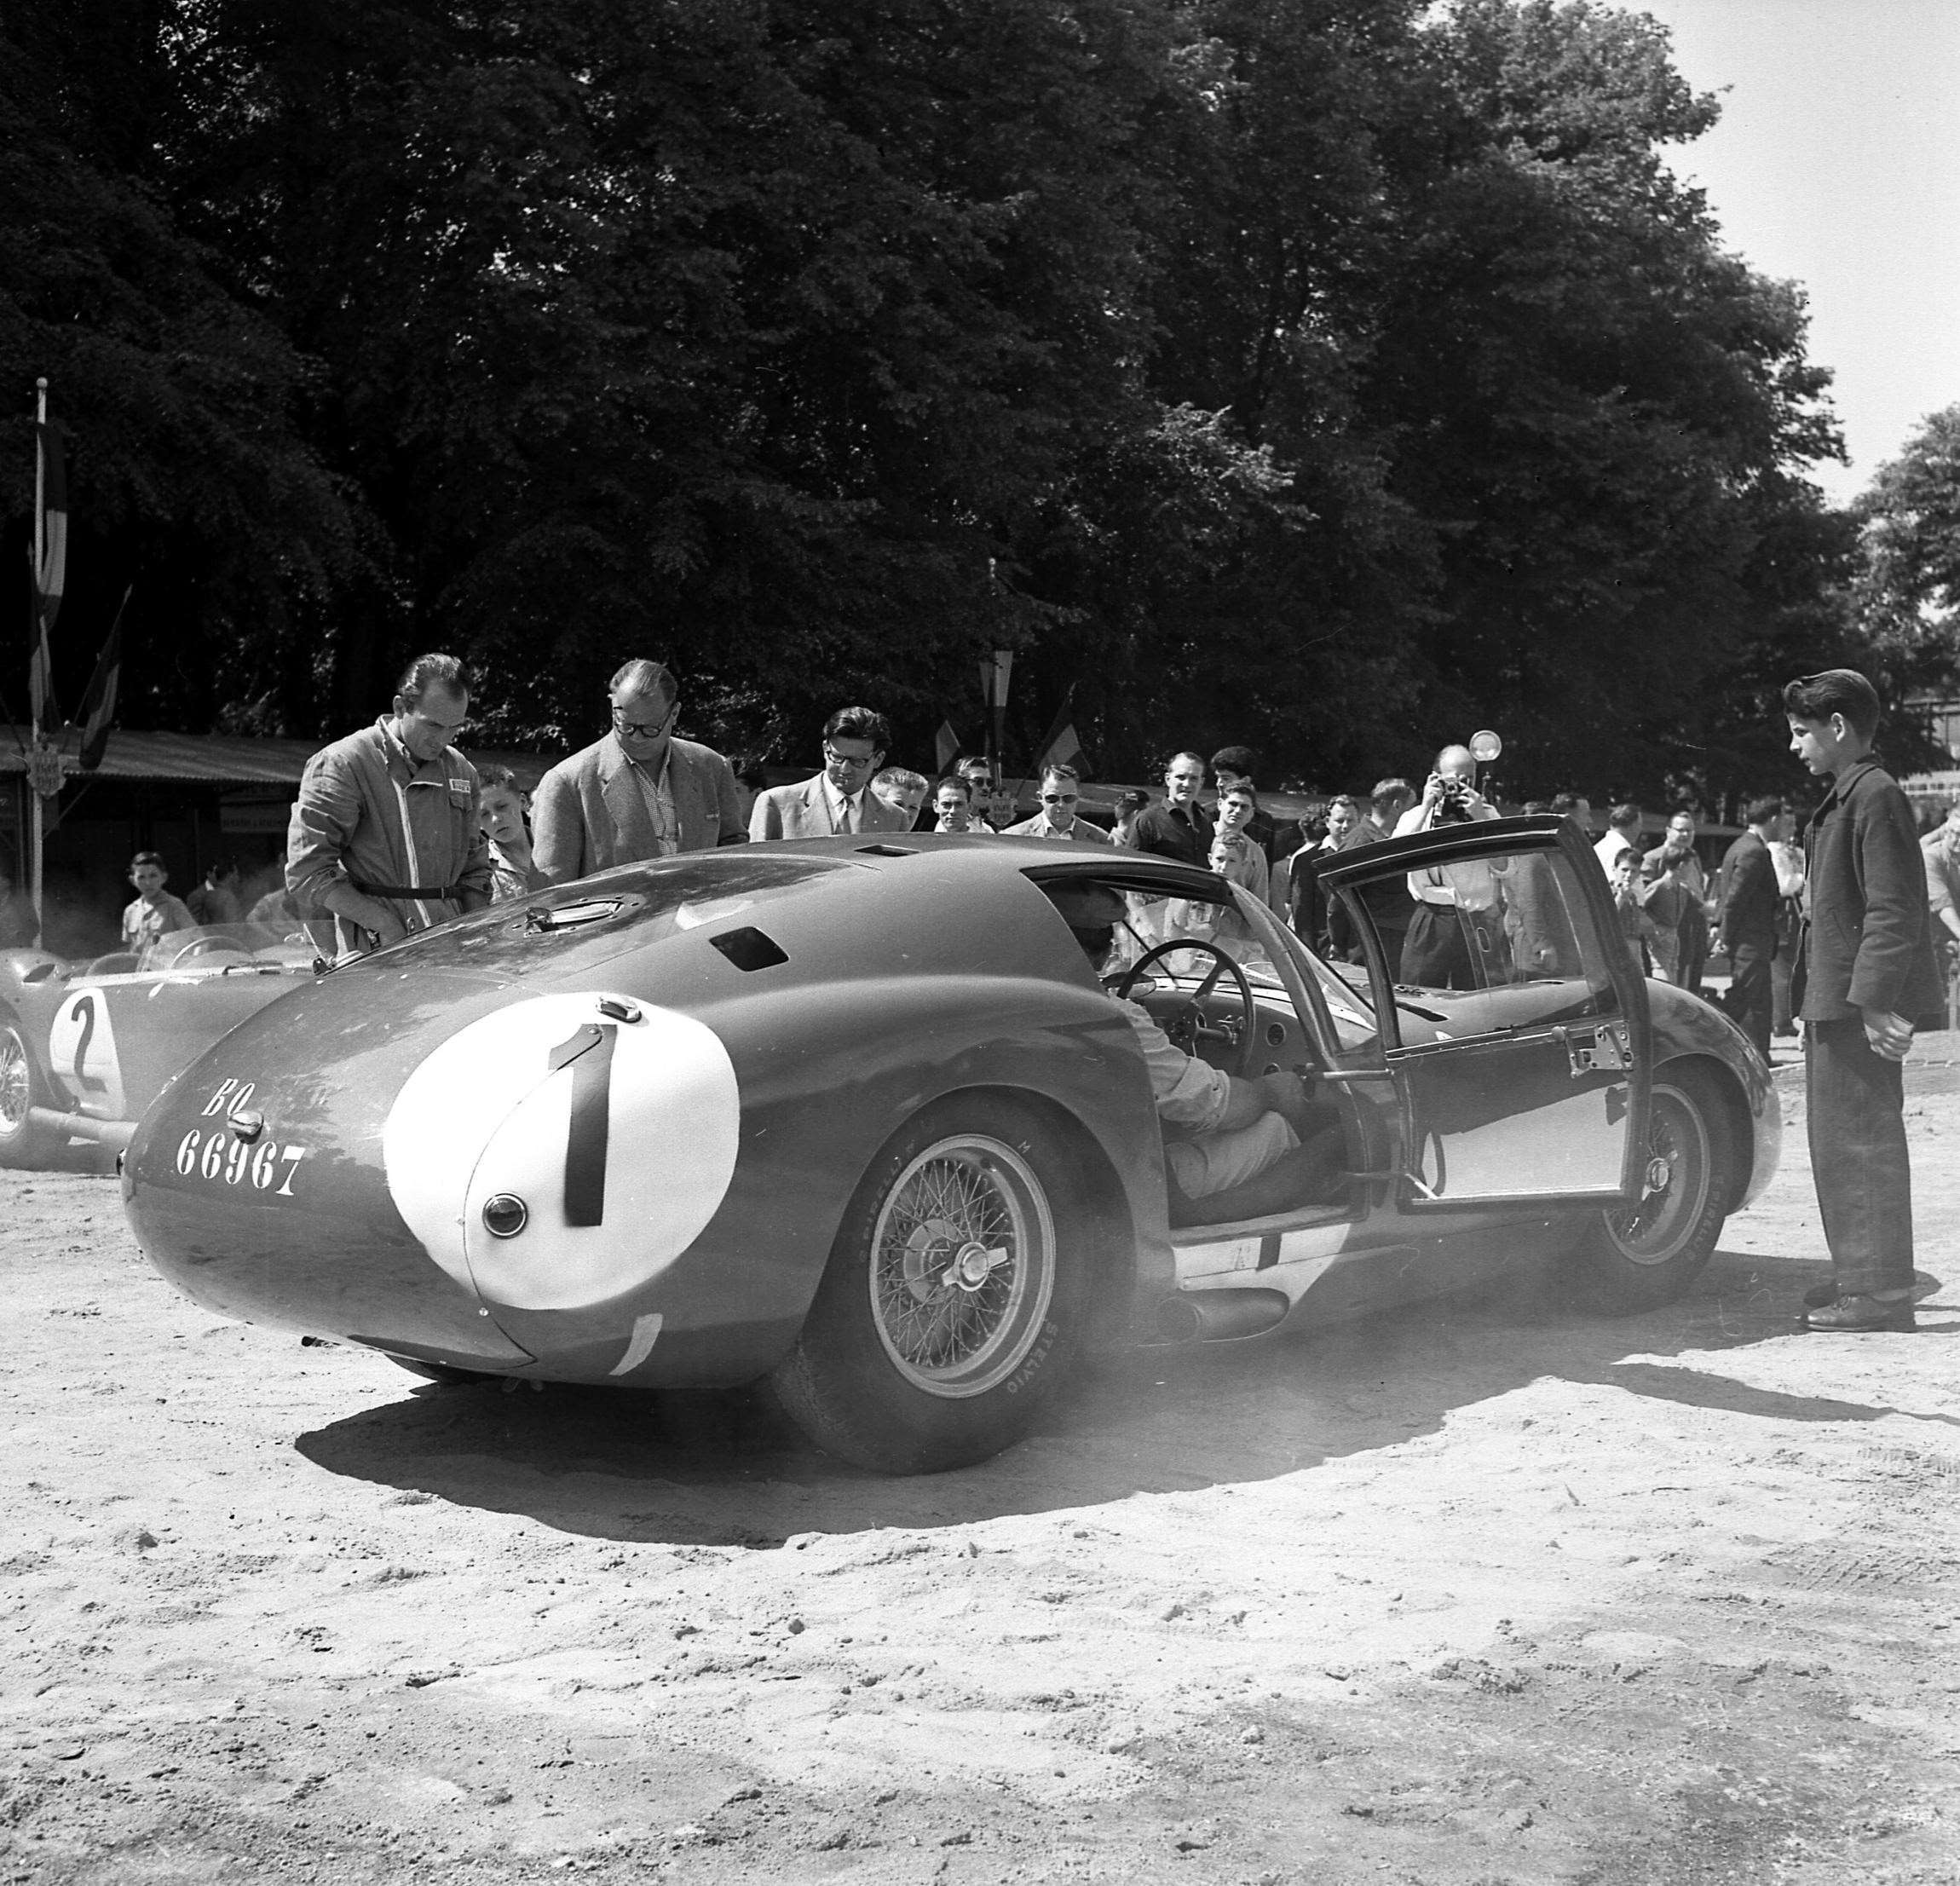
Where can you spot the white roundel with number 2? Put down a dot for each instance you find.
(617, 1127)
(82, 1052)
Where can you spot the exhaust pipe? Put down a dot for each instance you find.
(1220, 1316)
(78, 1126)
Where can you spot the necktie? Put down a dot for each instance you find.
(848, 822)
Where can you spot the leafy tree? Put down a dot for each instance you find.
(187, 474)
(1908, 591)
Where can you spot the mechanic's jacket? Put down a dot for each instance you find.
(371, 820)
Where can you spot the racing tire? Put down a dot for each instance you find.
(1638, 1257)
(22, 1143)
(954, 1299)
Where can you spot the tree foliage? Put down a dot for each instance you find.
(1334, 374)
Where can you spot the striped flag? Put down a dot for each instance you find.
(99, 704)
(51, 570)
(1063, 748)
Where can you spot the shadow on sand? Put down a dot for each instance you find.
(723, 1469)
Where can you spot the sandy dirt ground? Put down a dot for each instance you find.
(1490, 1591)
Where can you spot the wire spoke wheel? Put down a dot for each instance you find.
(16, 1084)
(1673, 1185)
(963, 1256)
(1640, 1255)
(23, 1142)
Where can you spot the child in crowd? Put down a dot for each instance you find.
(155, 912)
(1629, 901)
(500, 811)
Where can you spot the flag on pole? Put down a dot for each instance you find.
(945, 748)
(99, 704)
(1061, 747)
(50, 561)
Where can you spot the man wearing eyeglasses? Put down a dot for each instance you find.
(638, 792)
(1061, 793)
(838, 801)
(384, 833)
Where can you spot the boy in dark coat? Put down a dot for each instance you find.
(1866, 979)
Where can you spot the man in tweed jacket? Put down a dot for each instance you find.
(640, 793)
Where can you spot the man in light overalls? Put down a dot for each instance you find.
(385, 833)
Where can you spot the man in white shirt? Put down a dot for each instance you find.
(838, 801)
(953, 806)
(1061, 793)
(1622, 834)
(1455, 935)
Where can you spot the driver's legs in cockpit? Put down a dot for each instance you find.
(1253, 1172)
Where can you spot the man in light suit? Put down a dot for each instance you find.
(838, 801)
(637, 793)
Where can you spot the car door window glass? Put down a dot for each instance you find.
(1498, 941)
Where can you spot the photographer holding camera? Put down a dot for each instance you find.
(1458, 921)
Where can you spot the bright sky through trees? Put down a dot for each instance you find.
(1836, 163)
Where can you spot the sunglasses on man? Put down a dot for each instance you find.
(1058, 798)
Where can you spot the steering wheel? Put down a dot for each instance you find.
(1187, 1025)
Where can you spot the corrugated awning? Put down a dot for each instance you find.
(224, 759)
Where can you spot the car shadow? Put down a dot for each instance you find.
(723, 1469)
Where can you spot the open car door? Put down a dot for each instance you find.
(1514, 1013)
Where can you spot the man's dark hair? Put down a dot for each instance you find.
(1388, 792)
(1135, 800)
(150, 857)
(859, 723)
(221, 869)
(1244, 786)
(1835, 691)
(643, 677)
(432, 671)
(1760, 812)
(1343, 799)
(1625, 817)
(964, 785)
(1236, 759)
(1564, 803)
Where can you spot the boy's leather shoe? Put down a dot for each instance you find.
(1851, 1312)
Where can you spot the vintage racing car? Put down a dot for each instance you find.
(859, 1119)
(85, 1047)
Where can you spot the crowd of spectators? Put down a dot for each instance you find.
(394, 827)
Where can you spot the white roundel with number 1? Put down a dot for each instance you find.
(616, 1126)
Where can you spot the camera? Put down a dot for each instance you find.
(1453, 808)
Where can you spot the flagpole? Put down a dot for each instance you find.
(34, 810)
